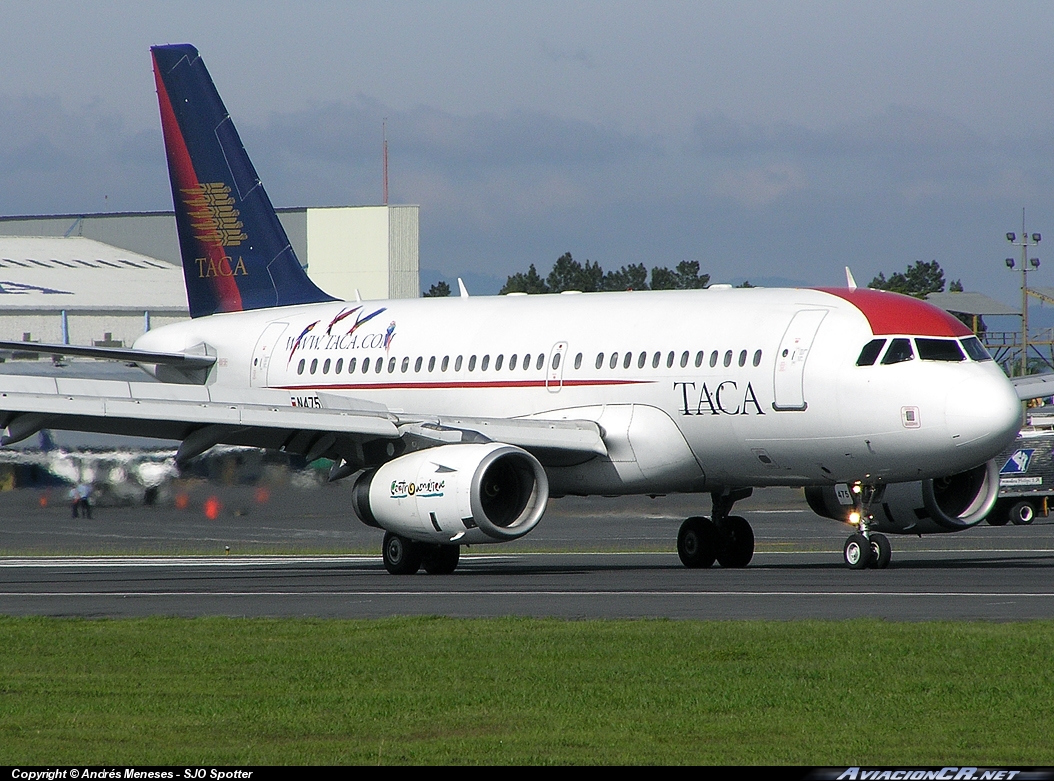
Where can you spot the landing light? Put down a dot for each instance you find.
(854, 518)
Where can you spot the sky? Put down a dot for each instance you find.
(775, 142)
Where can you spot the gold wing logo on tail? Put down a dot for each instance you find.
(215, 223)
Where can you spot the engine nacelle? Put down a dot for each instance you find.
(946, 504)
(468, 493)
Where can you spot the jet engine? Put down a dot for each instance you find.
(465, 493)
(944, 504)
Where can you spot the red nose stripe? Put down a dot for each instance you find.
(892, 313)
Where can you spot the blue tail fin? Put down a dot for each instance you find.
(236, 255)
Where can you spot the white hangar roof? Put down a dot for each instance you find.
(79, 275)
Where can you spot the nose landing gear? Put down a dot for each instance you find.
(865, 548)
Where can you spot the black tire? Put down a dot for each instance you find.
(998, 516)
(441, 559)
(857, 551)
(737, 547)
(402, 556)
(1022, 513)
(881, 551)
(697, 543)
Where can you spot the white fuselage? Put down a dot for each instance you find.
(692, 389)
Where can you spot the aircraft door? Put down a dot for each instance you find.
(554, 373)
(788, 382)
(266, 346)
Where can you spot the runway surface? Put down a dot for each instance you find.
(302, 553)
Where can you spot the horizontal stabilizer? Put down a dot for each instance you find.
(181, 360)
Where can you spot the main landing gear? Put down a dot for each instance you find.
(727, 539)
(403, 556)
(865, 548)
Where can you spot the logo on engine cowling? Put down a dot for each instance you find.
(403, 489)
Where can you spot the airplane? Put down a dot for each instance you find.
(458, 418)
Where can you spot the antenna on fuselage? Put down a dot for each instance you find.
(462, 288)
(849, 281)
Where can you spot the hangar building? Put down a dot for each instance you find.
(105, 278)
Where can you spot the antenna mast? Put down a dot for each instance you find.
(384, 135)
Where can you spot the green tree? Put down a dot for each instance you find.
(633, 277)
(685, 277)
(530, 282)
(919, 280)
(569, 274)
(439, 290)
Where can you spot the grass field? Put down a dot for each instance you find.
(396, 691)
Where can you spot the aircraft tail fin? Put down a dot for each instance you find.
(236, 254)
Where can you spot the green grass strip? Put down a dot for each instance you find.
(436, 690)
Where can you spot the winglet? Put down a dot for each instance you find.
(462, 288)
(849, 281)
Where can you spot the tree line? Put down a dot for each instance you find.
(917, 280)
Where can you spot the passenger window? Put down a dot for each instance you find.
(446, 362)
(869, 354)
(728, 358)
(540, 362)
(627, 360)
(556, 360)
(655, 360)
(669, 360)
(684, 359)
(417, 363)
(300, 367)
(743, 358)
(498, 362)
(699, 359)
(713, 359)
(431, 364)
(757, 358)
(614, 361)
(975, 349)
(406, 364)
(600, 360)
(642, 359)
(339, 366)
(314, 365)
(939, 350)
(391, 365)
(365, 365)
(578, 361)
(325, 367)
(512, 362)
(472, 363)
(351, 365)
(484, 363)
(379, 365)
(457, 364)
(899, 351)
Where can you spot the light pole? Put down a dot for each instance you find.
(1024, 243)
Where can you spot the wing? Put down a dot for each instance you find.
(352, 432)
(1034, 386)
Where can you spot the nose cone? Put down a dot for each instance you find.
(983, 412)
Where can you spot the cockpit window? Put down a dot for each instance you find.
(975, 349)
(939, 350)
(899, 350)
(869, 354)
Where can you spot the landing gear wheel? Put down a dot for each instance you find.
(402, 556)
(697, 543)
(857, 551)
(881, 551)
(1022, 514)
(738, 544)
(441, 559)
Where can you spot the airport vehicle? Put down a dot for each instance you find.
(1026, 474)
(459, 417)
